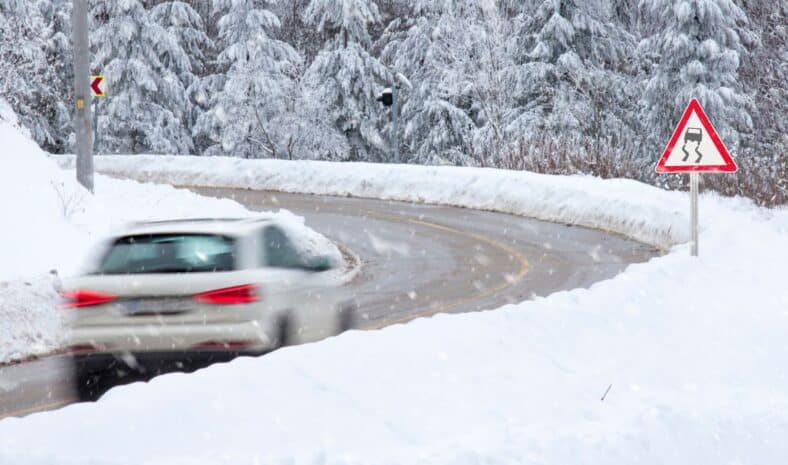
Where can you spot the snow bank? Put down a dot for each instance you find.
(644, 213)
(29, 323)
(50, 222)
(693, 352)
(38, 198)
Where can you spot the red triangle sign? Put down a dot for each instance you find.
(695, 146)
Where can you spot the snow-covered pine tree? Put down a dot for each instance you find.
(307, 40)
(28, 81)
(304, 131)
(480, 69)
(695, 50)
(763, 73)
(435, 130)
(186, 25)
(345, 77)
(58, 50)
(147, 109)
(572, 54)
(460, 54)
(256, 74)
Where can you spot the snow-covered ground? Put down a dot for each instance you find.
(50, 223)
(690, 354)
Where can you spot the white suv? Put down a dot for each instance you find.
(215, 288)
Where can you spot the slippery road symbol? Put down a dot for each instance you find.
(692, 135)
(694, 132)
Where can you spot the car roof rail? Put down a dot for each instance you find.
(199, 220)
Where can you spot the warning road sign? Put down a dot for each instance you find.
(98, 86)
(695, 146)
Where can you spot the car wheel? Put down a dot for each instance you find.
(284, 330)
(95, 374)
(347, 316)
(90, 386)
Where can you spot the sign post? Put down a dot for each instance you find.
(694, 148)
(390, 98)
(694, 212)
(395, 119)
(98, 87)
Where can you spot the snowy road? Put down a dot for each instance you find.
(417, 260)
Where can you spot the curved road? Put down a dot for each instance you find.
(417, 260)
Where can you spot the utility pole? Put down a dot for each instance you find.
(82, 120)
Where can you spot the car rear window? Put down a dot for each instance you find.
(169, 253)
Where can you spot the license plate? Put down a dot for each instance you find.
(153, 306)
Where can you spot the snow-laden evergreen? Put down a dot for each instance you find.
(32, 78)
(765, 70)
(695, 52)
(572, 53)
(436, 130)
(57, 17)
(186, 25)
(258, 73)
(344, 76)
(147, 71)
(188, 28)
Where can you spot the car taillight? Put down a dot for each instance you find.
(85, 298)
(244, 294)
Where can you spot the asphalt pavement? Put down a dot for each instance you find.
(416, 260)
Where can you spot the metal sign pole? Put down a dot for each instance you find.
(95, 125)
(694, 212)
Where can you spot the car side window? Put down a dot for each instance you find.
(278, 250)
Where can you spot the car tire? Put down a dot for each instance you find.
(347, 316)
(90, 386)
(284, 330)
(95, 374)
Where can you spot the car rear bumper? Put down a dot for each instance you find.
(170, 338)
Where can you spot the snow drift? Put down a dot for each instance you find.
(644, 213)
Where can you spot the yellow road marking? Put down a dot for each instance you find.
(456, 303)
